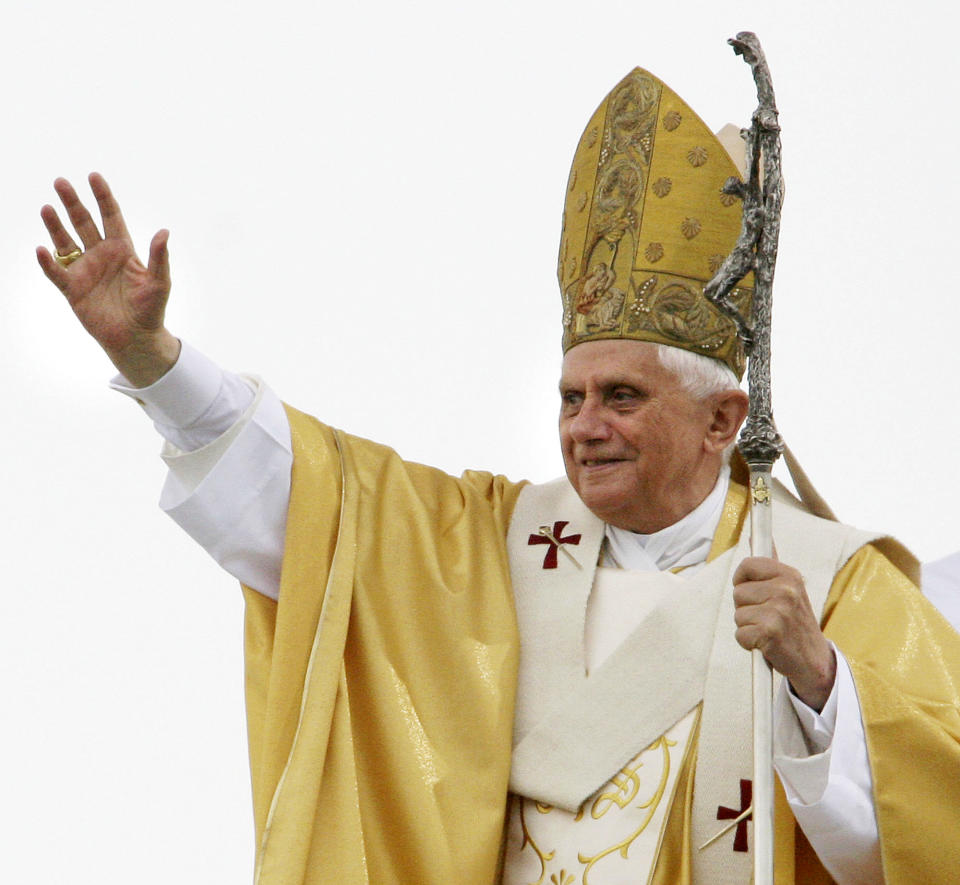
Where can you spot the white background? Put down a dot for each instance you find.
(365, 204)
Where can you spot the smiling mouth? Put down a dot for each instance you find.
(601, 462)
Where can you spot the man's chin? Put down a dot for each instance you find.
(602, 500)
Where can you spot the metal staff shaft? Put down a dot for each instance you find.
(761, 544)
(760, 444)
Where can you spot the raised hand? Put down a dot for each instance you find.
(118, 300)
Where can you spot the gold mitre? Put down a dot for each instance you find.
(646, 224)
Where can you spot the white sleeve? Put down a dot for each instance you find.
(229, 457)
(825, 771)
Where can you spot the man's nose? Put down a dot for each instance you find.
(590, 423)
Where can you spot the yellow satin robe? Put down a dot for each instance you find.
(380, 690)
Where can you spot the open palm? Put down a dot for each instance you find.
(119, 301)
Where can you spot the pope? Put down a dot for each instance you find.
(476, 680)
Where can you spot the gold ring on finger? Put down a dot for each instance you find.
(68, 259)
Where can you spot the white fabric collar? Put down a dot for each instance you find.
(685, 543)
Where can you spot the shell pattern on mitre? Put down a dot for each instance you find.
(646, 225)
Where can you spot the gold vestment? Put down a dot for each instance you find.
(380, 689)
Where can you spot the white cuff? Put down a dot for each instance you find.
(231, 495)
(229, 455)
(195, 402)
(825, 771)
(183, 394)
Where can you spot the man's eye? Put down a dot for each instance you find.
(570, 400)
(624, 396)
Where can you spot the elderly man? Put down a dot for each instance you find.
(473, 680)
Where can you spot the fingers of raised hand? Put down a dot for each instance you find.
(113, 223)
(159, 261)
(80, 218)
(63, 242)
(56, 274)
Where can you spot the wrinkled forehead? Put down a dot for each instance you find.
(605, 360)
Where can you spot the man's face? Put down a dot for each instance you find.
(633, 440)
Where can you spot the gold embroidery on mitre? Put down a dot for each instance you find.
(661, 187)
(654, 252)
(690, 227)
(598, 301)
(674, 311)
(626, 226)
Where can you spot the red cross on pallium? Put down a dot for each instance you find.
(550, 560)
(724, 813)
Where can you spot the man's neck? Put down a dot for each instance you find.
(685, 542)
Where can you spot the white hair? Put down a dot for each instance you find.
(700, 376)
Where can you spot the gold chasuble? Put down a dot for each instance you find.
(380, 688)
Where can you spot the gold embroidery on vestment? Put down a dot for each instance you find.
(528, 840)
(624, 791)
(628, 781)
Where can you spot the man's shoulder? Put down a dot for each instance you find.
(801, 533)
(380, 473)
(551, 514)
(793, 518)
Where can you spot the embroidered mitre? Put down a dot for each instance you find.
(646, 225)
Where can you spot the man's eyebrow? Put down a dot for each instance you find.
(619, 381)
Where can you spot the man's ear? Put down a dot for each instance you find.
(729, 412)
